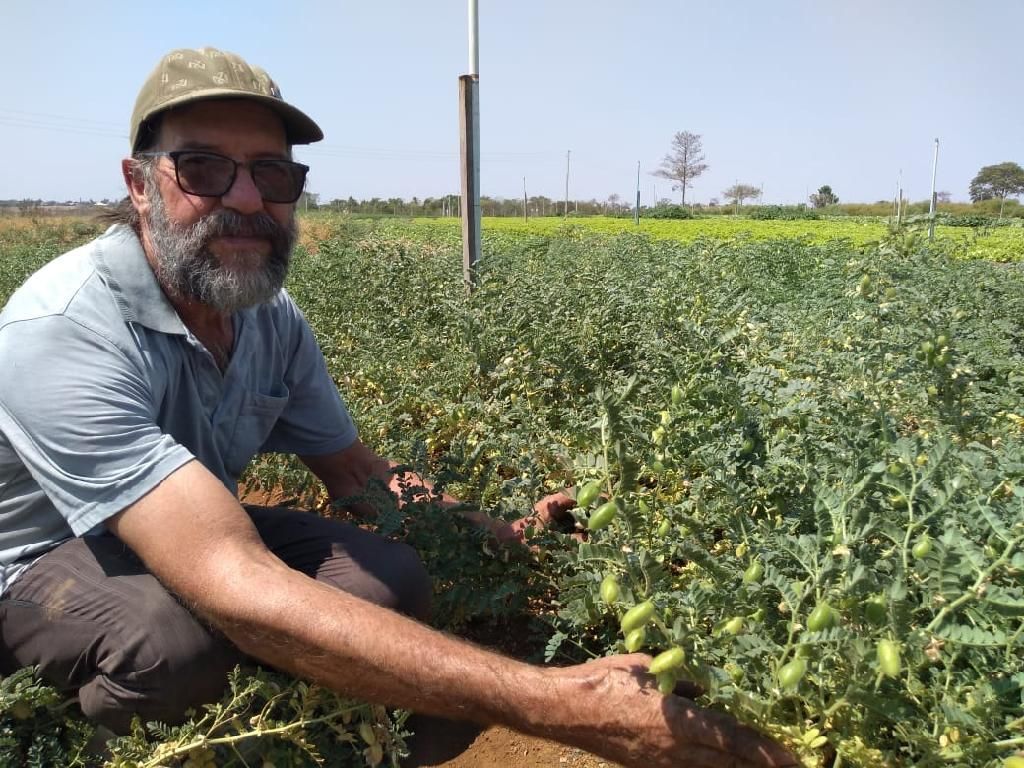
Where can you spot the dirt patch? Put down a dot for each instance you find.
(263, 498)
(500, 747)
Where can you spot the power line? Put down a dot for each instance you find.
(49, 121)
(337, 150)
(49, 116)
(39, 125)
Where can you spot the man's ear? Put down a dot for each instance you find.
(133, 180)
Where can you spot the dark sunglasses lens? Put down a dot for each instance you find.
(202, 174)
(279, 181)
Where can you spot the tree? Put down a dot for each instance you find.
(683, 163)
(997, 181)
(824, 196)
(944, 197)
(737, 193)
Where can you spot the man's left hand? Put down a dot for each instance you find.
(552, 509)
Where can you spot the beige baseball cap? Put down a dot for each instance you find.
(187, 75)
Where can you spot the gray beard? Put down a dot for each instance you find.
(187, 269)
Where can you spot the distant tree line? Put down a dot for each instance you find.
(449, 205)
(992, 192)
(40, 207)
(665, 209)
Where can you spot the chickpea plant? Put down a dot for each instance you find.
(798, 454)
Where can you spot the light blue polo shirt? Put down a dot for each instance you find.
(104, 393)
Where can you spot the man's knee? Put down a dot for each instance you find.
(387, 573)
(412, 584)
(169, 662)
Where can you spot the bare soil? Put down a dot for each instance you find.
(501, 747)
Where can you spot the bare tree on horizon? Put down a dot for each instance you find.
(684, 162)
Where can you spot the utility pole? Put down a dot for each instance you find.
(934, 199)
(637, 215)
(898, 200)
(526, 202)
(469, 144)
(568, 152)
(899, 197)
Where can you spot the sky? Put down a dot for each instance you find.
(787, 95)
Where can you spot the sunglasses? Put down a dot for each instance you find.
(208, 174)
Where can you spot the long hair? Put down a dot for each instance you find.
(123, 212)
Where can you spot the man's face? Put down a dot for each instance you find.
(226, 252)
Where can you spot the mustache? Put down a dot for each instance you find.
(228, 223)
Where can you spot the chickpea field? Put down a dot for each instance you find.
(798, 449)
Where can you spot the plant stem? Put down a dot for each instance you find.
(972, 592)
(203, 741)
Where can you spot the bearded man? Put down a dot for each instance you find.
(142, 372)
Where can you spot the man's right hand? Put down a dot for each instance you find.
(621, 715)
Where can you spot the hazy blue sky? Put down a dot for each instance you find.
(790, 94)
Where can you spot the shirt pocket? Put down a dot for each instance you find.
(256, 419)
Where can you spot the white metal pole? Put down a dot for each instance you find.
(637, 219)
(568, 153)
(934, 200)
(899, 211)
(474, 39)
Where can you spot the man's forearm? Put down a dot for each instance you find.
(349, 473)
(294, 623)
(401, 482)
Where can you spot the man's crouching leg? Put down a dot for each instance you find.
(94, 620)
(385, 572)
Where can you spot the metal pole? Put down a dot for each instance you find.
(568, 152)
(526, 202)
(934, 200)
(637, 215)
(469, 145)
(899, 211)
(474, 42)
(899, 197)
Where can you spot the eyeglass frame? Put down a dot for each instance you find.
(176, 153)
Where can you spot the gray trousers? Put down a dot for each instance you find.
(97, 623)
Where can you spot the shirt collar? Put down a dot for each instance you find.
(122, 261)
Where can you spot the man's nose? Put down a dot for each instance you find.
(243, 196)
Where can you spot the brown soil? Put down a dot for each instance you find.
(501, 748)
(262, 498)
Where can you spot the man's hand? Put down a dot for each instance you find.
(622, 716)
(553, 509)
(347, 472)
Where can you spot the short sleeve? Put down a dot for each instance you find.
(315, 421)
(77, 410)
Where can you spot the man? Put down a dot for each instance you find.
(141, 374)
